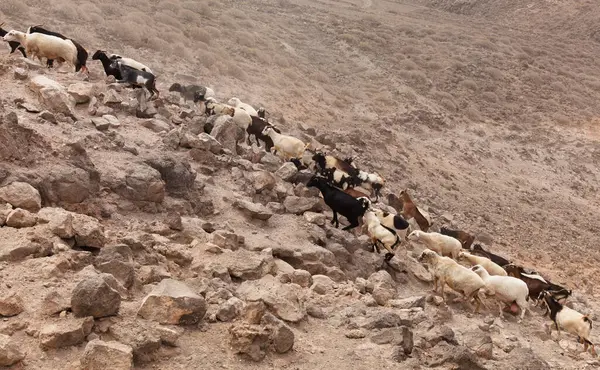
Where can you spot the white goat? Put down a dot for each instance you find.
(506, 289)
(240, 117)
(381, 234)
(130, 62)
(41, 46)
(237, 103)
(447, 271)
(442, 244)
(289, 146)
(491, 267)
(394, 222)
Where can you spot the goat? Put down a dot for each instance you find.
(188, 92)
(256, 128)
(381, 234)
(237, 103)
(340, 202)
(489, 265)
(464, 237)
(371, 181)
(410, 210)
(45, 46)
(394, 222)
(325, 162)
(570, 320)
(109, 67)
(14, 45)
(537, 284)
(137, 77)
(478, 250)
(442, 244)
(82, 54)
(288, 146)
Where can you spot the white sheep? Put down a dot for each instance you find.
(237, 103)
(570, 320)
(380, 234)
(394, 222)
(506, 289)
(130, 62)
(41, 46)
(447, 271)
(442, 244)
(491, 267)
(289, 146)
(240, 117)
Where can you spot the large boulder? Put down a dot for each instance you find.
(246, 265)
(10, 352)
(96, 296)
(133, 181)
(143, 337)
(226, 132)
(305, 256)
(253, 210)
(21, 195)
(19, 244)
(66, 333)
(53, 95)
(117, 260)
(66, 184)
(89, 232)
(20, 218)
(172, 302)
(299, 205)
(384, 287)
(177, 174)
(100, 355)
(82, 92)
(59, 221)
(284, 300)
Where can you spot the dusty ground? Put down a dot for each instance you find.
(487, 111)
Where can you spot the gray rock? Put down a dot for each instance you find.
(226, 132)
(48, 116)
(322, 284)
(156, 125)
(315, 218)
(383, 287)
(263, 180)
(173, 302)
(112, 120)
(21, 195)
(53, 95)
(287, 171)
(253, 210)
(96, 296)
(59, 221)
(88, 231)
(82, 92)
(226, 239)
(302, 278)
(230, 309)
(20, 218)
(177, 173)
(251, 341)
(298, 205)
(283, 300)
(11, 304)
(100, 123)
(100, 355)
(143, 338)
(10, 351)
(410, 302)
(208, 143)
(66, 333)
(21, 74)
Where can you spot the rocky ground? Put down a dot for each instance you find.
(134, 239)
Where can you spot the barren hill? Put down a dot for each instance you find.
(485, 110)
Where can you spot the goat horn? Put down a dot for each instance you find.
(2, 24)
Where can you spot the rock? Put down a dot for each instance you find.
(355, 334)
(247, 265)
(88, 231)
(298, 205)
(156, 125)
(230, 309)
(383, 287)
(253, 210)
(410, 302)
(281, 336)
(249, 340)
(96, 296)
(316, 312)
(438, 334)
(143, 338)
(11, 304)
(253, 312)
(480, 343)
(225, 239)
(306, 256)
(177, 173)
(263, 180)
(21, 195)
(100, 123)
(207, 143)
(65, 333)
(287, 171)
(19, 218)
(59, 221)
(82, 92)
(170, 335)
(111, 97)
(54, 303)
(48, 116)
(283, 300)
(322, 284)
(134, 181)
(302, 278)
(112, 120)
(53, 95)
(10, 352)
(29, 108)
(122, 270)
(380, 318)
(100, 355)
(226, 132)
(315, 218)
(20, 74)
(18, 244)
(172, 302)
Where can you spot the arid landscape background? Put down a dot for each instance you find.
(486, 110)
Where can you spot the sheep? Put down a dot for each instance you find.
(381, 234)
(447, 271)
(130, 62)
(537, 284)
(14, 45)
(442, 244)
(394, 222)
(137, 77)
(571, 321)
(340, 202)
(237, 103)
(288, 146)
(188, 92)
(464, 237)
(410, 210)
(256, 128)
(490, 267)
(506, 289)
(82, 54)
(478, 250)
(45, 46)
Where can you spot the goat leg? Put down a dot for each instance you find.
(353, 224)
(335, 219)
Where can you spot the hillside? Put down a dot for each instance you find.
(486, 111)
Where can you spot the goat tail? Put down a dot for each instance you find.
(587, 318)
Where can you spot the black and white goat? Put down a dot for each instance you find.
(256, 129)
(136, 77)
(14, 45)
(340, 202)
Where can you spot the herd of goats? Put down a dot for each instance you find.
(347, 190)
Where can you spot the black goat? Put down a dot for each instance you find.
(136, 77)
(340, 202)
(256, 128)
(82, 54)
(478, 250)
(109, 68)
(187, 91)
(14, 45)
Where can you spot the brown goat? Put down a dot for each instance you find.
(356, 193)
(464, 237)
(410, 210)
